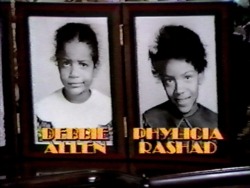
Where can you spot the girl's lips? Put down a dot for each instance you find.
(75, 84)
(182, 100)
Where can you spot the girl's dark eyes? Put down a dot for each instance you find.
(187, 77)
(67, 63)
(168, 80)
(82, 64)
(64, 62)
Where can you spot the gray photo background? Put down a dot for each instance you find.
(45, 76)
(2, 128)
(150, 89)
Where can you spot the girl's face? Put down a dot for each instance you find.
(181, 83)
(76, 68)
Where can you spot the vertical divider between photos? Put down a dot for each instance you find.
(123, 42)
(130, 72)
(117, 77)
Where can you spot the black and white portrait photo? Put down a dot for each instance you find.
(2, 127)
(176, 71)
(70, 68)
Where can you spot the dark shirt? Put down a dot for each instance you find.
(168, 116)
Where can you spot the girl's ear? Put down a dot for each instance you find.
(200, 78)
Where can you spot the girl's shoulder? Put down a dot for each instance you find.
(51, 100)
(100, 97)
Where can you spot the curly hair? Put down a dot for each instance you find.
(80, 31)
(177, 42)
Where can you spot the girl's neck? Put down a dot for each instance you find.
(77, 98)
(192, 111)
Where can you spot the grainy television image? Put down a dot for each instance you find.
(70, 72)
(176, 61)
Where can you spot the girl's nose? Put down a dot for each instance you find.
(74, 71)
(179, 87)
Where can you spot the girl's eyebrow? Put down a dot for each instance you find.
(68, 59)
(65, 58)
(165, 75)
(191, 71)
(187, 72)
(85, 60)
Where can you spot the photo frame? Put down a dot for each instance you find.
(106, 77)
(144, 91)
(8, 125)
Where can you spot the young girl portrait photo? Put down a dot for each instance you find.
(70, 75)
(177, 80)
